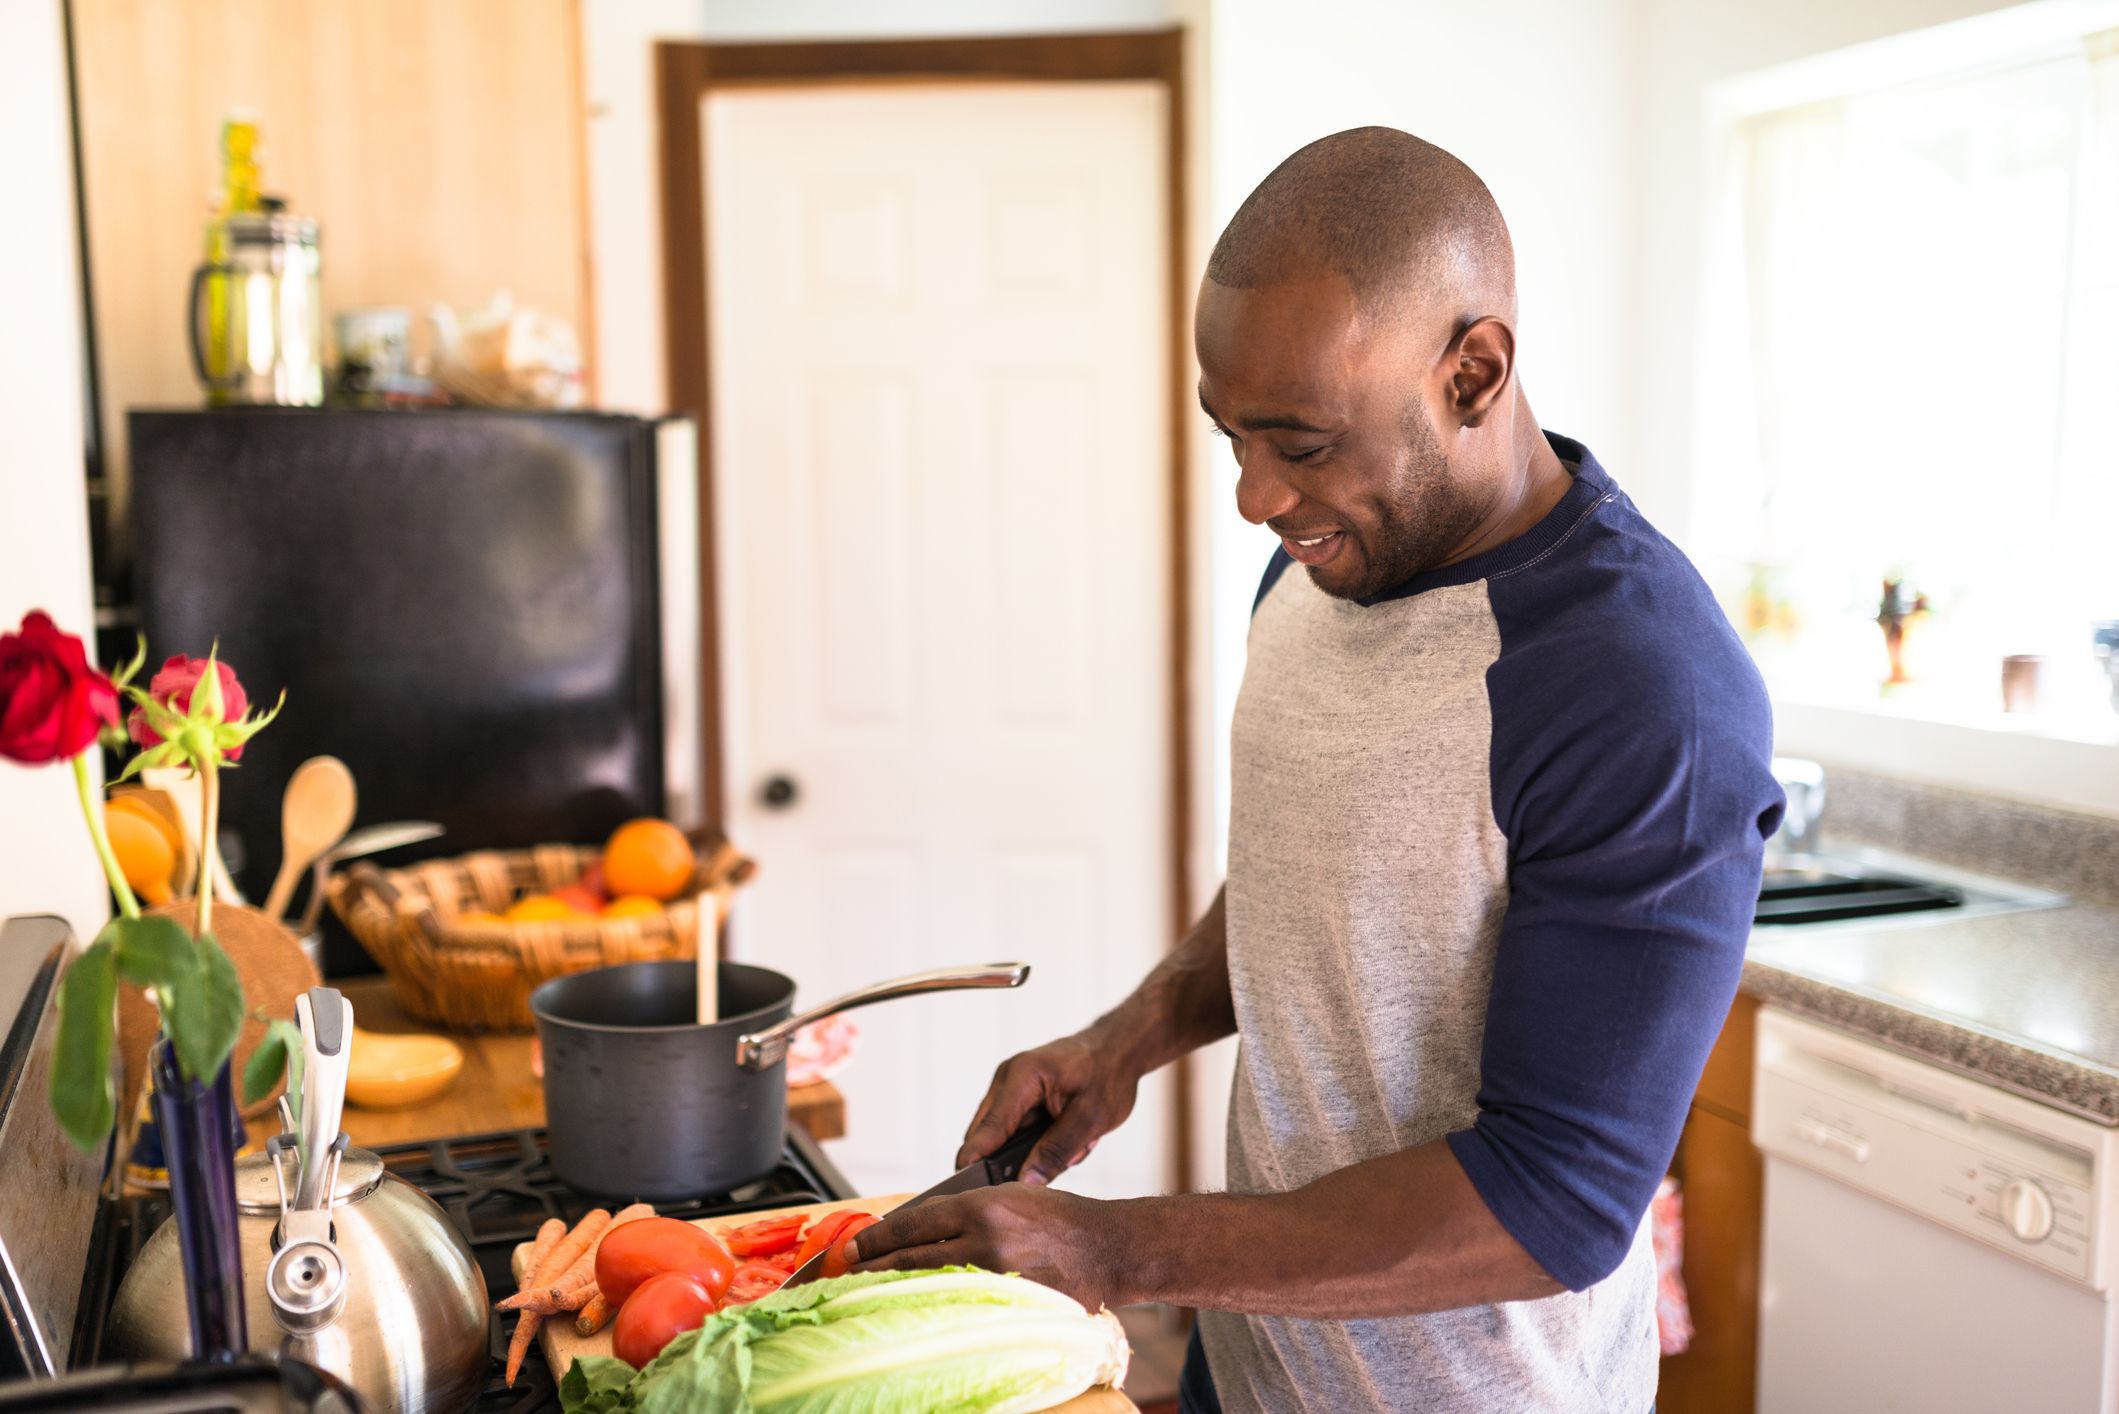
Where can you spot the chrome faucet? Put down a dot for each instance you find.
(1803, 782)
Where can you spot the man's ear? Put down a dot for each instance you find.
(1478, 364)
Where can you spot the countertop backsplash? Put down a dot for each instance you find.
(2075, 853)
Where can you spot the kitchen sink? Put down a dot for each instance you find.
(1806, 890)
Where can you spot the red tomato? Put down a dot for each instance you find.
(828, 1232)
(632, 1252)
(781, 1262)
(764, 1238)
(753, 1280)
(664, 1307)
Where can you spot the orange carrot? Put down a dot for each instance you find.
(581, 1239)
(519, 1343)
(547, 1238)
(548, 1261)
(593, 1316)
(569, 1293)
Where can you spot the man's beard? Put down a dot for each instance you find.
(1421, 516)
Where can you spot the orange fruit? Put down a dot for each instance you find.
(632, 906)
(478, 915)
(540, 908)
(650, 857)
(144, 855)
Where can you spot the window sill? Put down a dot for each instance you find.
(2072, 763)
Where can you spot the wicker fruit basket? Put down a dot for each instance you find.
(478, 976)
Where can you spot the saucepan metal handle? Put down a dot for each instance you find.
(761, 1050)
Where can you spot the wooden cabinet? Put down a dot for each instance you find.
(1722, 1178)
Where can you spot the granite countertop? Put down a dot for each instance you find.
(2026, 1000)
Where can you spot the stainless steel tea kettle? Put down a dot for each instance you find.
(345, 1267)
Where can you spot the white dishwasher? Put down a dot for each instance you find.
(1932, 1244)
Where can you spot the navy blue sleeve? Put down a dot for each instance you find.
(1631, 776)
(1275, 568)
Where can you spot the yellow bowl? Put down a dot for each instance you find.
(394, 1072)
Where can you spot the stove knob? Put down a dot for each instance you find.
(2027, 1210)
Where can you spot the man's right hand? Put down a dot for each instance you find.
(1087, 1088)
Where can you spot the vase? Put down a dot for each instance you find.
(198, 1128)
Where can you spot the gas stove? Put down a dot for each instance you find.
(498, 1189)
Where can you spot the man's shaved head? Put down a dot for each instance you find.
(1357, 345)
(1390, 214)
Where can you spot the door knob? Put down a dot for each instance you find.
(778, 792)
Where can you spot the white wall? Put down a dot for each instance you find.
(45, 862)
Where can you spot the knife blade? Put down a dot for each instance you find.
(1003, 1165)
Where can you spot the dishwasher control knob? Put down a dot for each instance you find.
(2027, 1210)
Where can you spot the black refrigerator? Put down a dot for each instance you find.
(465, 606)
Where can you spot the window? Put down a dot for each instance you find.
(1911, 371)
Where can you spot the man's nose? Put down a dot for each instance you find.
(1261, 495)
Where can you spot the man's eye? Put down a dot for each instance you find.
(1307, 455)
(1216, 428)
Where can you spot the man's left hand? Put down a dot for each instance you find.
(1062, 1240)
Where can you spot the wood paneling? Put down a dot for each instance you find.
(440, 145)
(1725, 1085)
(1724, 1182)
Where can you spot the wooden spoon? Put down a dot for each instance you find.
(314, 816)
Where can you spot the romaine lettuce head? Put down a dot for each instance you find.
(955, 1339)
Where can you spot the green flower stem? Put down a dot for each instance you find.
(127, 904)
(208, 765)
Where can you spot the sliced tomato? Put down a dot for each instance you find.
(828, 1232)
(764, 1238)
(752, 1280)
(781, 1262)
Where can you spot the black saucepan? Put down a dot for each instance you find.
(644, 1102)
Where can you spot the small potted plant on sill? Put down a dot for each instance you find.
(55, 706)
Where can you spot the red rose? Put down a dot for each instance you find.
(52, 703)
(172, 688)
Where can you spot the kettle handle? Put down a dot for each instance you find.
(326, 1021)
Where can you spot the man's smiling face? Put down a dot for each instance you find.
(1329, 418)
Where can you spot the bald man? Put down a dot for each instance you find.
(1501, 790)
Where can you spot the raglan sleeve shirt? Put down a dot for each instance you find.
(1630, 776)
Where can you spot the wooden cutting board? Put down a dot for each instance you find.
(562, 1346)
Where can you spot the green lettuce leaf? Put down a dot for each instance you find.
(955, 1339)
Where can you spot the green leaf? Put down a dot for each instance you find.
(595, 1384)
(151, 951)
(205, 1013)
(162, 754)
(262, 1071)
(124, 676)
(207, 704)
(280, 1050)
(82, 1093)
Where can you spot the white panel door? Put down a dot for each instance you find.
(941, 467)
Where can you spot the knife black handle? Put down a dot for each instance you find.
(1005, 1164)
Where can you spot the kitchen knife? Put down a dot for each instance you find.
(1003, 1165)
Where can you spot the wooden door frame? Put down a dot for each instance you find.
(685, 74)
